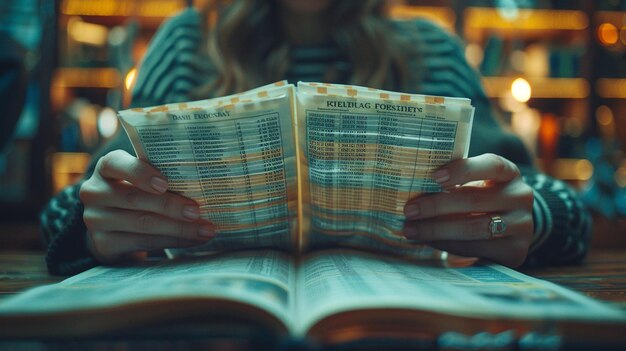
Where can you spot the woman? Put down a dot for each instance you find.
(511, 214)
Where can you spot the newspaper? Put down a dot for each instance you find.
(332, 282)
(301, 168)
(312, 295)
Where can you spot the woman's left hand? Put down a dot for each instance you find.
(482, 193)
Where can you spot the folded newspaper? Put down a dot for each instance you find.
(299, 168)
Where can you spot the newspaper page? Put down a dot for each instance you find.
(233, 155)
(258, 278)
(365, 153)
(335, 281)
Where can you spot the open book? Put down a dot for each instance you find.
(328, 296)
(320, 165)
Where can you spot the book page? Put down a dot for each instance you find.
(365, 153)
(335, 281)
(233, 155)
(264, 279)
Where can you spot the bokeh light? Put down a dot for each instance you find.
(608, 34)
(584, 169)
(521, 90)
(474, 54)
(604, 116)
(130, 78)
(107, 122)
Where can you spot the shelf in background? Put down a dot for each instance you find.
(542, 88)
(611, 88)
(444, 16)
(524, 22)
(73, 77)
(122, 8)
(67, 168)
(525, 19)
(149, 13)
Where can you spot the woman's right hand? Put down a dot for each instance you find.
(128, 211)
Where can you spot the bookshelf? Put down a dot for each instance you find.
(100, 44)
(557, 51)
(568, 55)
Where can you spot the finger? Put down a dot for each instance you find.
(507, 251)
(127, 196)
(483, 167)
(109, 247)
(466, 200)
(472, 228)
(120, 165)
(113, 219)
(467, 228)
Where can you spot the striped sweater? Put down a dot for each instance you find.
(173, 67)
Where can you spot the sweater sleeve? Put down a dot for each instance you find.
(165, 76)
(562, 224)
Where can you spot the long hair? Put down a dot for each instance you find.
(248, 47)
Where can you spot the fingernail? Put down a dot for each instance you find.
(206, 232)
(159, 184)
(191, 212)
(412, 211)
(441, 176)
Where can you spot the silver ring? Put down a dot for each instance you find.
(497, 227)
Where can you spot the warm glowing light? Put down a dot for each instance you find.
(548, 135)
(572, 169)
(130, 78)
(611, 88)
(154, 8)
(87, 33)
(622, 35)
(537, 60)
(520, 89)
(551, 88)
(474, 54)
(107, 122)
(525, 19)
(608, 34)
(584, 170)
(604, 116)
(67, 168)
(525, 123)
(69, 77)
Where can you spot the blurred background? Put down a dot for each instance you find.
(555, 71)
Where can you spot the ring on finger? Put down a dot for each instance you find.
(497, 227)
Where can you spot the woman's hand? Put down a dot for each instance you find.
(128, 211)
(464, 219)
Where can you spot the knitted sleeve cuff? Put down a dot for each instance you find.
(562, 223)
(64, 231)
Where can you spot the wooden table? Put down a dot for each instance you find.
(601, 276)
